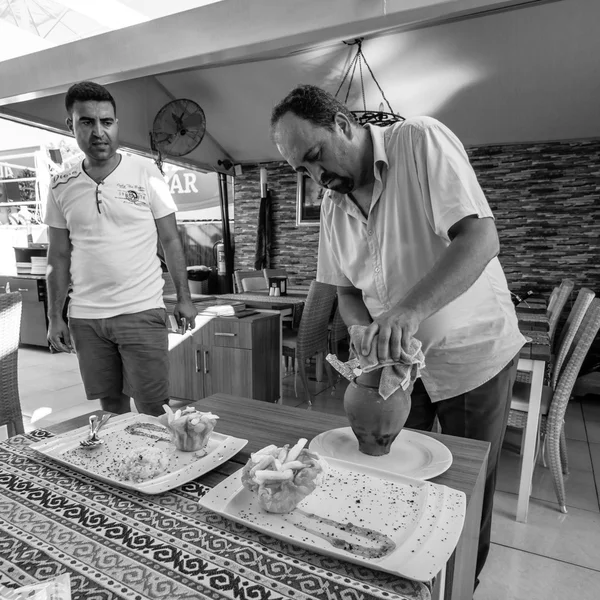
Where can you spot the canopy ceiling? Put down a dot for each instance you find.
(505, 76)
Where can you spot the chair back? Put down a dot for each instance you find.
(570, 328)
(10, 329)
(566, 381)
(552, 300)
(250, 281)
(338, 330)
(313, 331)
(274, 273)
(556, 305)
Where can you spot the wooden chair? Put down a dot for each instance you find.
(312, 335)
(10, 329)
(555, 401)
(250, 281)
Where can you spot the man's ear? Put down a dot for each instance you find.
(342, 121)
(69, 123)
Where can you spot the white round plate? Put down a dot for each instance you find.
(412, 454)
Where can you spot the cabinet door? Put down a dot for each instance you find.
(185, 370)
(227, 370)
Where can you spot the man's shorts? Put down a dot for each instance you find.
(126, 354)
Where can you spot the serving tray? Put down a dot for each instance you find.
(377, 519)
(118, 434)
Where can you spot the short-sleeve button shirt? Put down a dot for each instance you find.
(424, 184)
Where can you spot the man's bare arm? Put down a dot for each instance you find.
(474, 244)
(352, 307)
(171, 243)
(58, 278)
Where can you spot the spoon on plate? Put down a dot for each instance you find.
(95, 424)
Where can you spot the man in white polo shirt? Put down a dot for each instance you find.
(409, 240)
(105, 217)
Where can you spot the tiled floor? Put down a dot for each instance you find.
(552, 557)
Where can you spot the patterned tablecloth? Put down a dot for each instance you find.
(115, 544)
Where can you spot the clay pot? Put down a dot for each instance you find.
(375, 422)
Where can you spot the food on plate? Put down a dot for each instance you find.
(190, 429)
(141, 464)
(282, 477)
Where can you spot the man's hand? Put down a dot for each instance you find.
(185, 309)
(396, 329)
(59, 336)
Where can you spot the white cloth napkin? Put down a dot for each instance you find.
(394, 375)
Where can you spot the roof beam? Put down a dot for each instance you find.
(209, 35)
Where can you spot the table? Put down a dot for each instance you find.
(122, 545)
(533, 357)
(290, 304)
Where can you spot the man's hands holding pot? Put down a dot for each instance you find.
(394, 330)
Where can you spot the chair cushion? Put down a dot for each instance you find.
(520, 397)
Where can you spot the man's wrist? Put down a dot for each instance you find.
(184, 296)
(406, 306)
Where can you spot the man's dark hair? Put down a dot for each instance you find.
(313, 104)
(85, 91)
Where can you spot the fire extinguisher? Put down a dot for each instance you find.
(220, 257)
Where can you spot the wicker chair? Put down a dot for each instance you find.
(337, 331)
(555, 401)
(569, 330)
(10, 328)
(311, 337)
(250, 281)
(556, 304)
(558, 299)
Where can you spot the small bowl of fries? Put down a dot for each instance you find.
(283, 477)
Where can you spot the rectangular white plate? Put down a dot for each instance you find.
(421, 521)
(102, 462)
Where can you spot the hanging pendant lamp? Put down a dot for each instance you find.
(379, 117)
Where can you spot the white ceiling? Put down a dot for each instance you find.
(520, 75)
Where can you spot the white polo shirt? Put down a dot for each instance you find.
(424, 184)
(114, 264)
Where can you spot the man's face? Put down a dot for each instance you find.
(326, 155)
(96, 129)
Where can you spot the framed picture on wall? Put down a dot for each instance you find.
(309, 196)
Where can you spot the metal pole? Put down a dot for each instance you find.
(226, 233)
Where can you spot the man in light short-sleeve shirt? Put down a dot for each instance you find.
(409, 240)
(105, 217)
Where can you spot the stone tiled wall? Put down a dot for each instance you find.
(545, 197)
(546, 200)
(293, 248)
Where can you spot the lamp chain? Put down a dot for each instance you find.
(358, 59)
